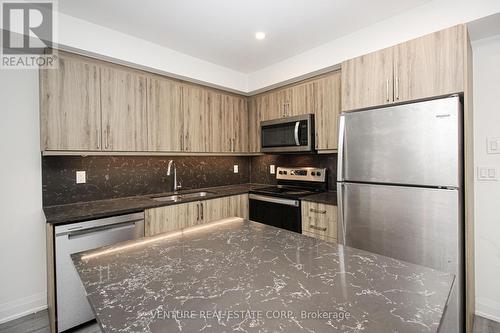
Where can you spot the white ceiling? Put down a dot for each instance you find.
(222, 31)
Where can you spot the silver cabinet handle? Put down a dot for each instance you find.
(396, 89)
(317, 228)
(296, 133)
(312, 210)
(387, 90)
(98, 138)
(197, 212)
(107, 136)
(201, 211)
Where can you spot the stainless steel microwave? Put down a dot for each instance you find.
(288, 135)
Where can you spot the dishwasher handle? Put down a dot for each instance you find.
(113, 227)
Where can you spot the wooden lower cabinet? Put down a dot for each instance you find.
(184, 215)
(319, 221)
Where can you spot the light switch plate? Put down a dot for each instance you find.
(272, 169)
(235, 168)
(487, 174)
(81, 177)
(493, 145)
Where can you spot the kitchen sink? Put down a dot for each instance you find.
(180, 197)
(196, 194)
(172, 198)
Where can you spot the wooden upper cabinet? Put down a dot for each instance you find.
(429, 66)
(214, 124)
(302, 99)
(432, 65)
(254, 118)
(273, 105)
(123, 98)
(165, 117)
(367, 80)
(195, 103)
(235, 124)
(327, 109)
(70, 105)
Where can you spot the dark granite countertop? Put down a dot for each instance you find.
(104, 208)
(329, 198)
(235, 275)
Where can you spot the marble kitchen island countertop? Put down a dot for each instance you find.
(236, 275)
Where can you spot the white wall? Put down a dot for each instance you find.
(22, 224)
(487, 194)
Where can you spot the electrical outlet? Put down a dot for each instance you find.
(487, 173)
(272, 169)
(235, 168)
(493, 145)
(81, 177)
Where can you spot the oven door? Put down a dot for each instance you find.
(294, 134)
(277, 212)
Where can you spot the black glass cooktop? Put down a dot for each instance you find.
(285, 191)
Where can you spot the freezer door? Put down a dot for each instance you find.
(418, 225)
(411, 144)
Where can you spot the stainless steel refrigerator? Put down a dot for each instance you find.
(400, 180)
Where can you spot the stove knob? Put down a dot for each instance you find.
(313, 173)
(280, 172)
(318, 174)
(285, 172)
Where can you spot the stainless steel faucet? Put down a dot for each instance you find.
(176, 186)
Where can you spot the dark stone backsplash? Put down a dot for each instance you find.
(121, 176)
(260, 166)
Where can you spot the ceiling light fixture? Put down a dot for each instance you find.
(260, 35)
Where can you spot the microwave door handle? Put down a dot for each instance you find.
(296, 132)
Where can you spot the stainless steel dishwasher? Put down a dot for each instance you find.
(72, 306)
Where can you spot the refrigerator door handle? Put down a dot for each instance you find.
(340, 158)
(340, 212)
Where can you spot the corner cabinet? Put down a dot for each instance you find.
(432, 65)
(183, 215)
(320, 96)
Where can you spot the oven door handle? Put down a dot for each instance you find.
(296, 133)
(288, 202)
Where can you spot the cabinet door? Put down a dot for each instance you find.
(327, 106)
(123, 98)
(221, 208)
(169, 218)
(367, 80)
(319, 220)
(215, 209)
(428, 66)
(215, 121)
(273, 105)
(302, 99)
(70, 106)
(165, 117)
(254, 118)
(239, 206)
(240, 125)
(229, 109)
(195, 106)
